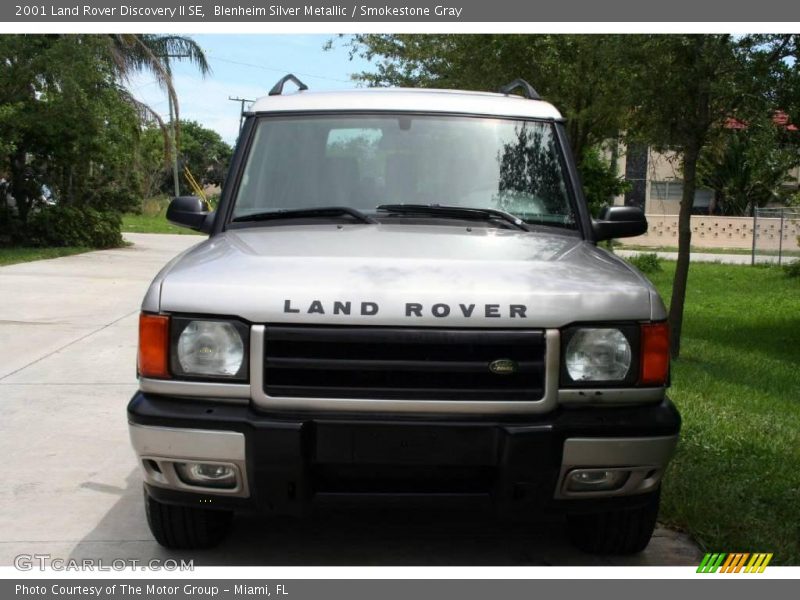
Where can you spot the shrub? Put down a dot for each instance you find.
(792, 269)
(71, 226)
(609, 245)
(646, 263)
(152, 207)
(107, 192)
(213, 200)
(600, 180)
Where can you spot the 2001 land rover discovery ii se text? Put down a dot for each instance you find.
(402, 293)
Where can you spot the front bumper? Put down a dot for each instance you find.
(284, 462)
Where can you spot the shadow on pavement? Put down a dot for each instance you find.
(368, 535)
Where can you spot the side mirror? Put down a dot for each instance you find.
(191, 212)
(618, 222)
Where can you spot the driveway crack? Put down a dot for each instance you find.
(68, 344)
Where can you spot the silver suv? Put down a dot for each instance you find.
(402, 294)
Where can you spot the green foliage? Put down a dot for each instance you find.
(792, 269)
(71, 226)
(205, 153)
(65, 125)
(600, 180)
(200, 149)
(70, 131)
(746, 168)
(681, 85)
(213, 200)
(609, 245)
(646, 262)
(683, 89)
(129, 54)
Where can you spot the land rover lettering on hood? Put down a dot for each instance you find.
(402, 297)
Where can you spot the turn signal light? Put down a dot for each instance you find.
(153, 359)
(655, 354)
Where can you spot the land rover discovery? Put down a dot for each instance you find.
(402, 295)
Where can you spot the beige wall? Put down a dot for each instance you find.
(719, 232)
(665, 166)
(794, 177)
(660, 167)
(661, 207)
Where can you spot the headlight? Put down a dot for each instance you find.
(209, 348)
(598, 355)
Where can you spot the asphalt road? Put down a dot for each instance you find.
(67, 356)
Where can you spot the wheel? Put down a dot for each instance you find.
(185, 527)
(622, 531)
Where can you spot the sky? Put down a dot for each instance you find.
(247, 66)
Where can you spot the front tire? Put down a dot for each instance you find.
(621, 531)
(185, 527)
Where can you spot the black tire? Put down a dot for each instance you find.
(185, 527)
(622, 531)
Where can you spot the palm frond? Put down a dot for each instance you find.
(154, 53)
(131, 54)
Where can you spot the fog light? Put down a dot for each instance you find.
(596, 480)
(207, 475)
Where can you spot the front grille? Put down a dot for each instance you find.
(401, 363)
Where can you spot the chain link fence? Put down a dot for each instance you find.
(775, 235)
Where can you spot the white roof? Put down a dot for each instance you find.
(409, 99)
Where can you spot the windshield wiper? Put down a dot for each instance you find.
(456, 212)
(299, 213)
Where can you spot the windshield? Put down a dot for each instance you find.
(300, 162)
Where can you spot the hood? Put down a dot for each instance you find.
(404, 275)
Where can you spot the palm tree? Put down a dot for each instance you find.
(746, 168)
(134, 53)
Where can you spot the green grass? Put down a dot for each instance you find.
(151, 224)
(13, 255)
(152, 220)
(696, 249)
(735, 481)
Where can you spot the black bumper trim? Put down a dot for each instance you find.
(293, 458)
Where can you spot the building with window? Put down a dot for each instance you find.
(657, 187)
(657, 183)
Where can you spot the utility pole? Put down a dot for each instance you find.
(241, 109)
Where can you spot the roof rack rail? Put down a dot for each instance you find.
(527, 88)
(277, 89)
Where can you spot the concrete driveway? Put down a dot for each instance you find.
(67, 370)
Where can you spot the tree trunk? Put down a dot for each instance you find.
(684, 248)
(19, 187)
